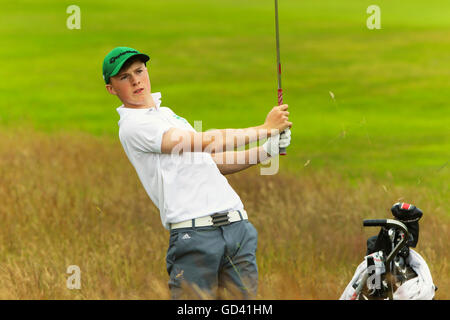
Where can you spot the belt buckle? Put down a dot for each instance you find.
(220, 219)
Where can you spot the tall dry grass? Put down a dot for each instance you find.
(71, 199)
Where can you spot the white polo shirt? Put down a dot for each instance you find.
(183, 187)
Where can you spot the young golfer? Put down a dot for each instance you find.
(212, 243)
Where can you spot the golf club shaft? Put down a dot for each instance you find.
(280, 90)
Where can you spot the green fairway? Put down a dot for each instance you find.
(215, 61)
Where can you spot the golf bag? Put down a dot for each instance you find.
(391, 269)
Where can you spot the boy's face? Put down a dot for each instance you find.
(132, 86)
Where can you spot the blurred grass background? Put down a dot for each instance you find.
(68, 202)
(215, 61)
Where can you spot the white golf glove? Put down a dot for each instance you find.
(274, 143)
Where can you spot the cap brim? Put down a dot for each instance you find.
(144, 58)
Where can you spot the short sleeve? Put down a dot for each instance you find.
(144, 136)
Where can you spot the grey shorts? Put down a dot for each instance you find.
(202, 260)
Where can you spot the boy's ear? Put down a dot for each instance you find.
(110, 89)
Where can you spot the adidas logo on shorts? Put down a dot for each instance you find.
(186, 236)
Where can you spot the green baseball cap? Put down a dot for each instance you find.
(116, 58)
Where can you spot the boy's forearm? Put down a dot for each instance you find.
(235, 161)
(177, 140)
(222, 140)
(215, 141)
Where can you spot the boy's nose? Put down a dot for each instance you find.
(134, 80)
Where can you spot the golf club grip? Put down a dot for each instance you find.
(280, 102)
(375, 223)
(283, 150)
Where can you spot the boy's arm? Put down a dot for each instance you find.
(177, 140)
(235, 161)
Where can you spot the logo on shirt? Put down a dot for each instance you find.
(180, 118)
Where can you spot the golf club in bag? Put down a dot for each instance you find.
(391, 269)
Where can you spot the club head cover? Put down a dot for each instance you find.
(406, 212)
(410, 215)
